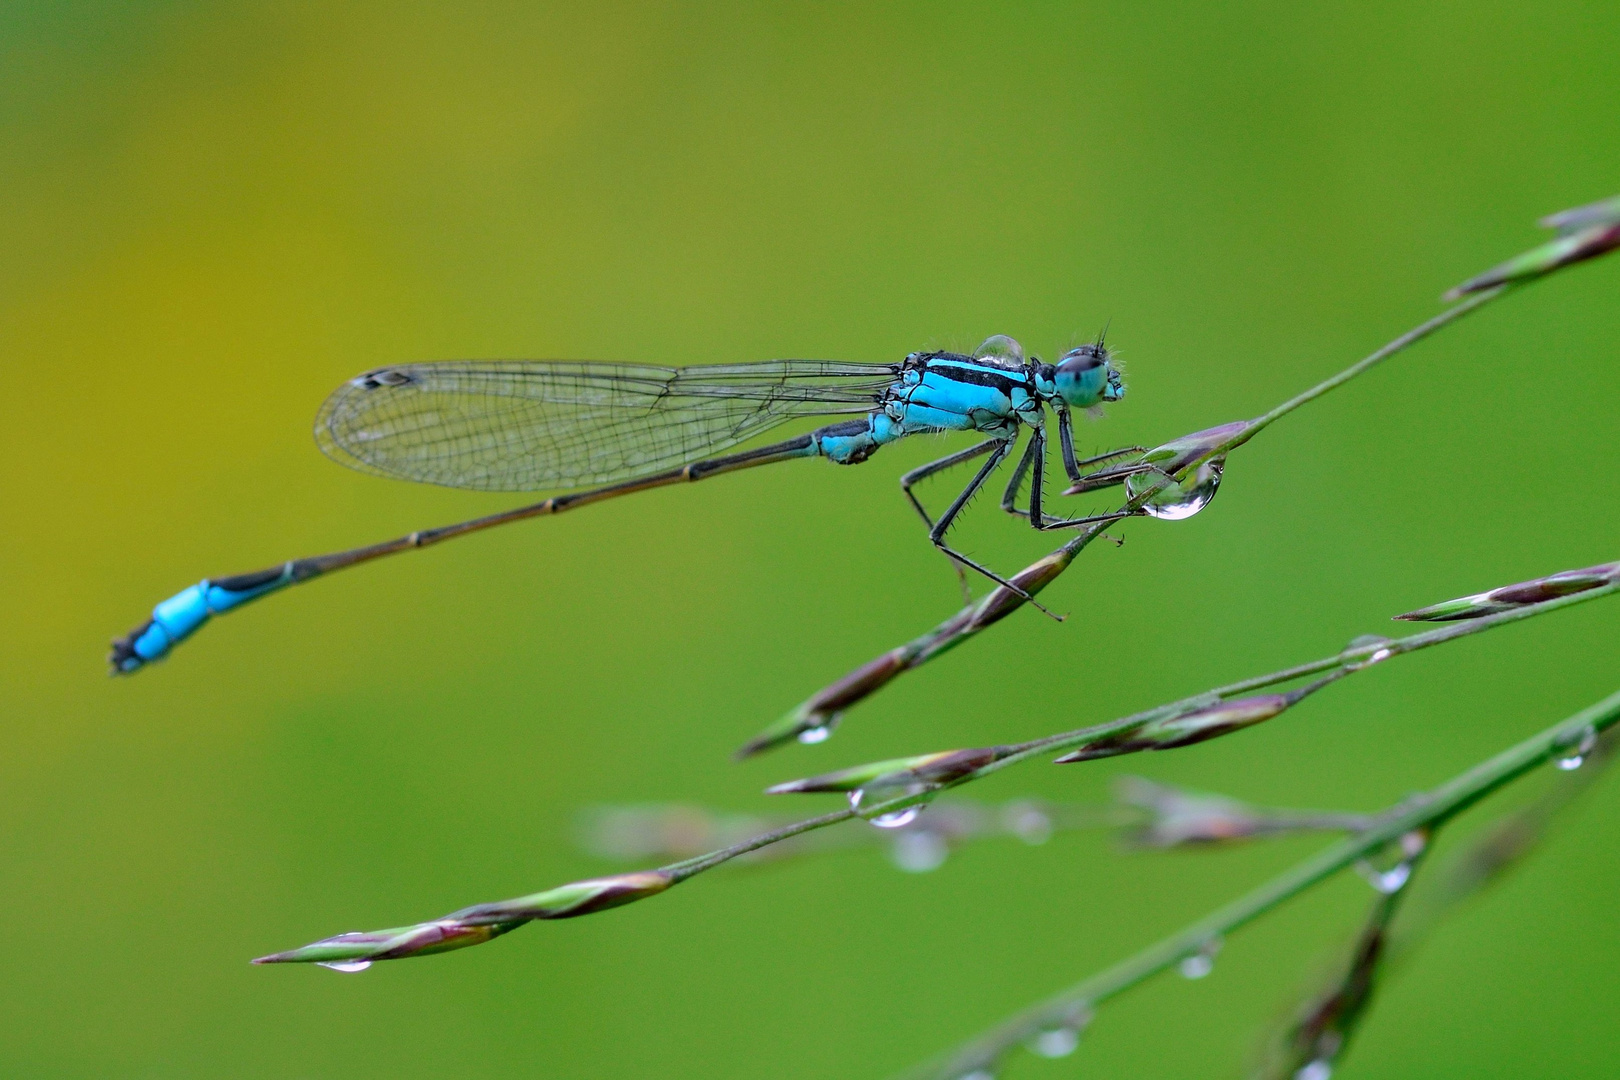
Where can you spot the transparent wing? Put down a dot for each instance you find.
(527, 425)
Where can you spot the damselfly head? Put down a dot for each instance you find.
(1087, 376)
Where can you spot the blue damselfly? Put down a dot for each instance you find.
(611, 429)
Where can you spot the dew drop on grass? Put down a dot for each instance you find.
(885, 792)
(1316, 1070)
(897, 818)
(1573, 758)
(1200, 963)
(1179, 501)
(345, 965)
(1389, 881)
(1196, 966)
(1378, 655)
(1394, 879)
(1055, 1042)
(819, 734)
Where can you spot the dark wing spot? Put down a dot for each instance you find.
(374, 380)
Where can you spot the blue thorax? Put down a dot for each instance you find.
(942, 391)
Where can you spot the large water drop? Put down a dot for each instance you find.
(1178, 500)
(811, 736)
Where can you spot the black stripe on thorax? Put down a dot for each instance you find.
(1006, 382)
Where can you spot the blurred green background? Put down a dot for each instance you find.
(211, 214)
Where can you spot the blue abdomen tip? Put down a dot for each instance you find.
(180, 616)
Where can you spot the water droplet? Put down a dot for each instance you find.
(818, 734)
(1378, 655)
(1316, 1070)
(1574, 758)
(1196, 966)
(886, 790)
(978, 1074)
(1177, 501)
(918, 851)
(345, 965)
(1055, 1042)
(1001, 347)
(1394, 879)
(897, 818)
(1200, 963)
(1389, 881)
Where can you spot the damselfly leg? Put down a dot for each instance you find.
(923, 472)
(1111, 475)
(1038, 519)
(1033, 464)
(936, 535)
(1066, 442)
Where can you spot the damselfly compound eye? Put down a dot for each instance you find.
(1083, 377)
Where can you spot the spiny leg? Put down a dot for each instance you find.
(1009, 497)
(1111, 475)
(1121, 452)
(1037, 518)
(1075, 468)
(923, 472)
(1035, 455)
(943, 525)
(1138, 469)
(1066, 441)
